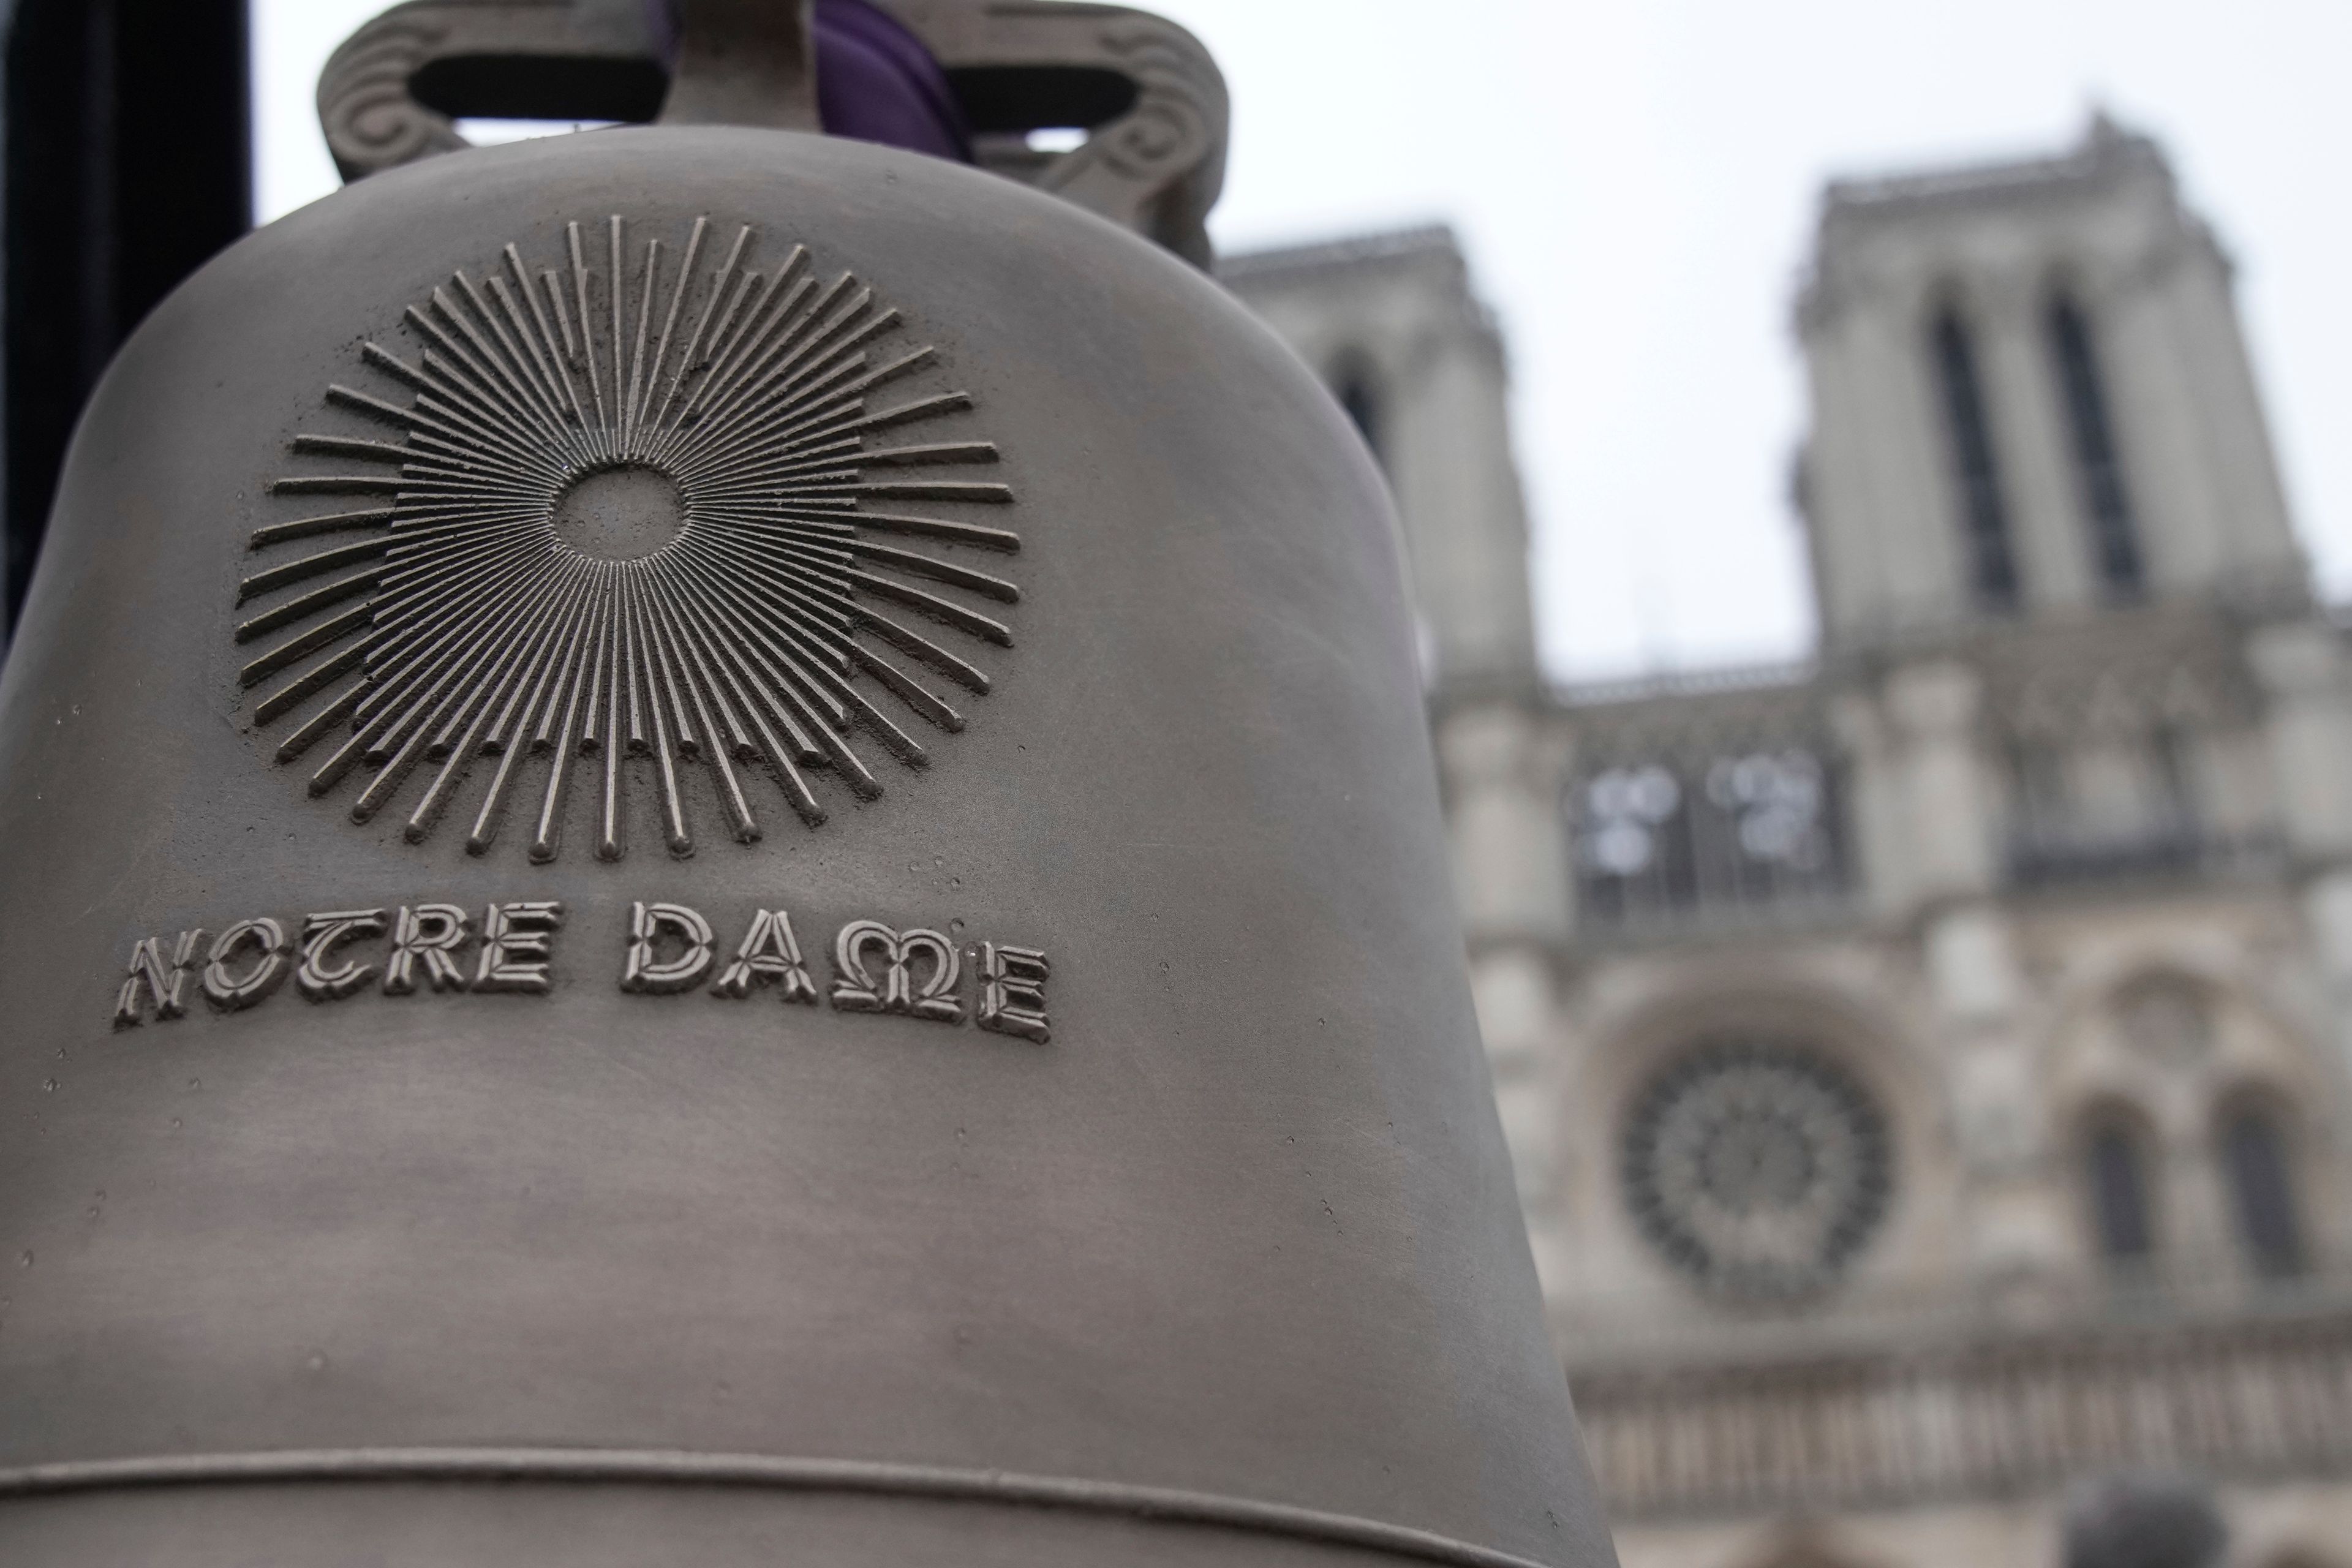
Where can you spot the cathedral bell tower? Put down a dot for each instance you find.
(2060, 590)
(2031, 397)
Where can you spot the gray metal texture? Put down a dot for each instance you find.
(1151, 97)
(837, 1083)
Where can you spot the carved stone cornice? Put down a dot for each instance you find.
(2264, 1395)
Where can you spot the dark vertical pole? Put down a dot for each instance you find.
(128, 163)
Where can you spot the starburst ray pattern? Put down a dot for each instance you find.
(623, 520)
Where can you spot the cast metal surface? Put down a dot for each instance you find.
(1150, 97)
(906, 1068)
(743, 62)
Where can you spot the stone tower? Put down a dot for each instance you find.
(2030, 398)
(1927, 1063)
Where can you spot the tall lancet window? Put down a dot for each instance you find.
(2115, 543)
(1356, 383)
(1993, 565)
(2115, 1170)
(2262, 1185)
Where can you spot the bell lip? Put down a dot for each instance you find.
(896, 1481)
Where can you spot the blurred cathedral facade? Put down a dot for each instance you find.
(1926, 1065)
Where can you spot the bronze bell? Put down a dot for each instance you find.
(718, 847)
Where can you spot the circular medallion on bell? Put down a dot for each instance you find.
(681, 519)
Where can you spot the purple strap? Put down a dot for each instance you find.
(875, 79)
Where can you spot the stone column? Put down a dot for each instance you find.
(2193, 1204)
(1880, 861)
(2159, 427)
(1504, 762)
(1458, 498)
(1932, 710)
(1885, 545)
(1977, 988)
(2257, 538)
(2015, 1232)
(2301, 667)
(2309, 724)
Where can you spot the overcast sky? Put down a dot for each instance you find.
(1636, 182)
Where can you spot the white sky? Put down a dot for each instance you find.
(1635, 183)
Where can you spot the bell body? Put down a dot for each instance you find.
(550, 1018)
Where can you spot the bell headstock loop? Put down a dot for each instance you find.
(744, 62)
(1142, 106)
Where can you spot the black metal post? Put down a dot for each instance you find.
(128, 163)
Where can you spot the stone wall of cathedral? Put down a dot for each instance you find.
(1926, 1065)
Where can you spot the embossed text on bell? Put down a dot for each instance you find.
(706, 911)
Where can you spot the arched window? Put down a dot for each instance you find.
(2116, 1172)
(1993, 565)
(2261, 1187)
(1356, 383)
(2098, 472)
